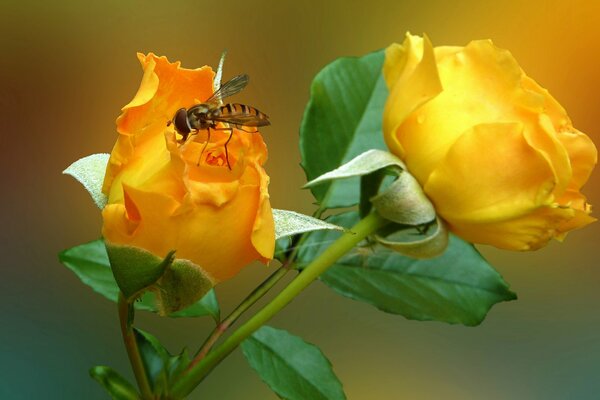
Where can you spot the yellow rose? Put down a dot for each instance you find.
(164, 195)
(493, 150)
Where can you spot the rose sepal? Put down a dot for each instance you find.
(401, 201)
(177, 283)
(427, 241)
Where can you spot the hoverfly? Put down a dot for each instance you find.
(208, 114)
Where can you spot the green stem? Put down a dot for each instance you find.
(248, 302)
(126, 315)
(345, 243)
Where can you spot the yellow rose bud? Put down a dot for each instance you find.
(165, 195)
(493, 150)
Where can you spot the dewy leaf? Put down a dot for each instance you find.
(363, 164)
(288, 223)
(458, 287)
(343, 118)
(90, 263)
(89, 171)
(292, 368)
(117, 386)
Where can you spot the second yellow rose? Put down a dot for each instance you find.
(494, 151)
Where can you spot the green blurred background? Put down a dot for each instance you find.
(66, 68)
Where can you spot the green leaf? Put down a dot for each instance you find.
(292, 368)
(288, 223)
(281, 248)
(342, 119)
(90, 171)
(161, 367)
(177, 365)
(365, 163)
(90, 263)
(458, 287)
(155, 358)
(117, 386)
(207, 305)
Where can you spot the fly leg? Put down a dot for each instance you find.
(204, 147)
(226, 143)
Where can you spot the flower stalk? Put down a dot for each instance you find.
(126, 315)
(252, 298)
(345, 243)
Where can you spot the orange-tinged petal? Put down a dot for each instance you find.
(220, 240)
(491, 173)
(178, 87)
(148, 86)
(166, 195)
(143, 171)
(263, 231)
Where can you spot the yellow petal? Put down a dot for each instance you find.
(477, 81)
(576, 201)
(582, 153)
(412, 78)
(490, 174)
(542, 137)
(526, 232)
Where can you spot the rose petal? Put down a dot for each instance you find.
(477, 81)
(490, 174)
(582, 153)
(527, 232)
(412, 78)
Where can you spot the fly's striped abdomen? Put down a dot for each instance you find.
(239, 114)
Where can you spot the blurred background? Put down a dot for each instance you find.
(66, 69)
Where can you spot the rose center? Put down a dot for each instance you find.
(216, 159)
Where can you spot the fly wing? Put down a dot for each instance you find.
(218, 75)
(229, 88)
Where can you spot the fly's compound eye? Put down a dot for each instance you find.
(181, 122)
